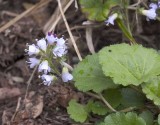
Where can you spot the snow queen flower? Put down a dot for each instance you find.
(44, 67)
(33, 62)
(153, 6)
(32, 49)
(59, 51)
(61, 42)
(60, 48)
(47, 79)
(66, 76)
(111, 19)
(42, 44)
(51, 38)
(151, 14)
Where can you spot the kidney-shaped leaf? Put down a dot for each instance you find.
(148, 117)
(99, 108)
(129, 64)
(132, 98)
(88, 75)
(124, 119)
(113, 96)
(152, 90)
(77, 111)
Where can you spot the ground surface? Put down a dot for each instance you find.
(47, 105)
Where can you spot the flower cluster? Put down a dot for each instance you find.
(51, 51)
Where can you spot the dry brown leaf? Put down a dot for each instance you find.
(9, 93)
(34, 104)
(33, 107)
(64, 95)
(38, 108)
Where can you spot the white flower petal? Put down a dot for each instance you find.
(44, 67)
(33, 62)
(59, 51)
(66, 76)
(47, 79)
(151, 14)
(153, 6)
(111, 19)
(42, 44)
(32, 49)
(60, 42)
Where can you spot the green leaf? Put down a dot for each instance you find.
(156, 124)
(147, 116)
(132, 98)
(113, 97)
(124, 119)
(97, 107)
(152, 90)
(97, 10)
(88, 106)
(77, 111)
(159, 119)
(101, 123)
(128, 65)
(88, 75)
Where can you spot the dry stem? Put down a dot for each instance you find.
(29, 81)
(17, 18)
(69, 31)
(50, 26)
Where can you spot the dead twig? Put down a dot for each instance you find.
(4, 12)
(89, 39)
(29, 81)
(51, 24)
(69, 31)
(17, 18)
(17, 108)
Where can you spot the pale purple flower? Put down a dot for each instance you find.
(111, 19)
(60, 42)
(44, 67)
(151, 14)
(59, 51)
(51, 38)
(33, 62)
(47, 79)
(42, 44)
(32, 49)
(153, 6)
(66, 76)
